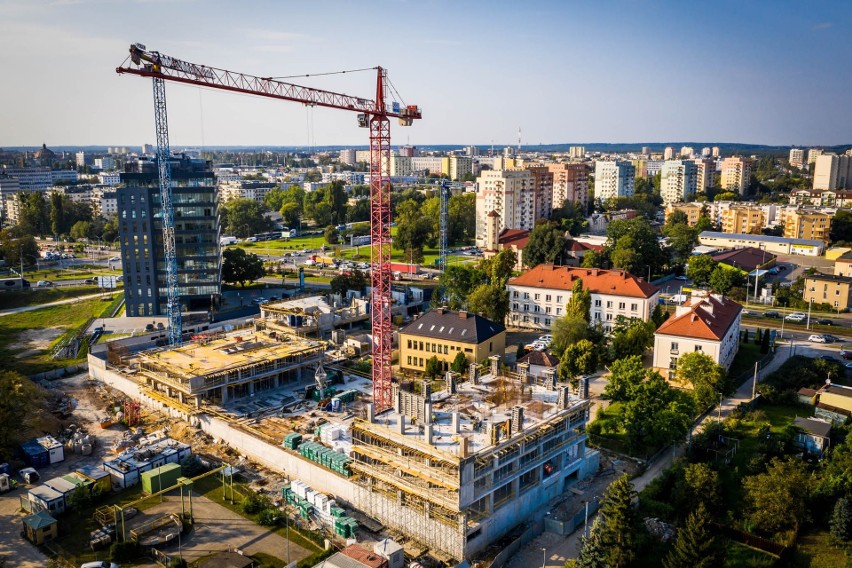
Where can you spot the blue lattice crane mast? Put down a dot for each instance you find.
(444, 232)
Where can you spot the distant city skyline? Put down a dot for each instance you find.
(764, 73)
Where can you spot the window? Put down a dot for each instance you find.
(537, 296)
(621, 305)
(535, 320)
(673, 363)
(409, 346)
(446, 350)
(634, 307)
(547, 310)
(537, 309)
(515, 294)
(609, 317)
(559, 299)
(698, 348)
(526, 295)
(409, 359)
(546, 321)
(609, 304)
(558, 311)
(547, 298)
(597, 303)
(674, 348)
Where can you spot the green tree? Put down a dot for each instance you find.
(458, 282)
(570, 217)
(656, 415)
(491, 300)
(19, 396)
(630, 336)
(593, 553)
(462, 211)
(433, 366)
(699, 268)
(567, 330)
(700, 485)
(625, 377)
(707, 378)
(841, 227)
(618, 531)
(625, 256)
(580, 303)
(81, 230)
(459, 364)
(593, 259)
(57, 213)
(342, 283)
(677, 217)
(500, 267)
(659, 316)
(777, 499)
(81, 499)
(578, 358)
(703, 224)
(331, 235)
(546, 244)
(239, 267)
(682, 239)
(632, 244)
(413, 231)
(15, 246)
(243, 218)
(764, 342)
(723, 280)
(841, 520)
(697, 546)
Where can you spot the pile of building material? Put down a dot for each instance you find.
(320, 507)
(326, 457)
(337, 437)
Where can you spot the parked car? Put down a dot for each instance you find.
(796, 317)
(99, 564)
(772, 314)
(817, 339)
(825, 321)
(846, 354)
(44, 284)
(830, 338)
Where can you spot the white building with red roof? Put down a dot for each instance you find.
(538, 297)
(709, 323)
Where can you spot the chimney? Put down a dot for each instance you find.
(463, 314)
(441, 311)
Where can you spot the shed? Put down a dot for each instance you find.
(64, 487)
(40, 527)
(35, 455)
(815, 434)
(97, 476)
(161, 478)
(392, 551)
(45, 498)
(54, 449)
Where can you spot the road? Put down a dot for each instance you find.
(559, 550)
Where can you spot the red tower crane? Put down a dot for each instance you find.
(374, 114)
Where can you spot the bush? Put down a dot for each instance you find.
(255, 503)
(270, 517)
(124, 551)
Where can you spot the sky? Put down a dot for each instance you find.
(563, 71)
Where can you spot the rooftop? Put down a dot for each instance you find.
(514, 237)
(702, 318)
(759, 238)
(39, 520)
(819, 277)
(596, 280)
(540, 358)
(746, 258)
(450, 325)
(813, 426)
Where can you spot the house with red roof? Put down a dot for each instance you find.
(709, 323)
(538, 297)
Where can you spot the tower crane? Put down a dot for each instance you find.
(374, 114)
(444, 224)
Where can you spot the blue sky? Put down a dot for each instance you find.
(771, 72)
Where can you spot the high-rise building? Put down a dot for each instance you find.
(409, 151)
(743, 219)
(105, 163)
(736, 173)
(812, 225)
(833, 172)
(347, 156)
(714, 152)
(148, 149)
(471, 151)
(797, 157)
(460, 166)
(543, 204)
(813, 154)
(83, 159)
(576, 152)
(9, 188)
(646, 151)
(678, 181)
(196, 215)
(705, 152)
(570, 183)
(507, 195)
(668, 153)
(614, 179)
(687, 151)
(705, 172)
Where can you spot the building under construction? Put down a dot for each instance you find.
(454, 469)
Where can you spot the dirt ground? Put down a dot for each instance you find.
(37, 340)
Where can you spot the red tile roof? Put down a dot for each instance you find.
(710, 318)
(597, 280)
(514, 237)
(540, 358)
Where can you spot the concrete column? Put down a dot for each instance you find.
(251, 388)
(401, 424)
(197, 401)
(456, 418)
(224, 394)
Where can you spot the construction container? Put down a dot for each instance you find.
(97, 476)
(161, 478)
(35, 455)
(54, 449)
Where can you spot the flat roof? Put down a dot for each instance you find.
(759, 238)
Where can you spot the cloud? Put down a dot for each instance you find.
(822, 26)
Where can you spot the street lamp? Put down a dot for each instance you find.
(543, 557)
(720, 407)
(810, 305)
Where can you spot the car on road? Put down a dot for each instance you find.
(681, 277)
(817, 339)
(259, 300)
(772, 314)
(825, 322)
(831, 338)
(546, 338)
(115, 259)
(796, 317)
(44, 284)
(846, 354)
(99, 564)
(92, 280)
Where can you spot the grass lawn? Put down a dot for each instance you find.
(76, 273)
(742, 556)
(816, 550)
(36, 358)
(744, 361)
(36, 296)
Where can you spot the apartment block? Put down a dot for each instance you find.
(510, 196)
(743, 219)
(460, 166)
(678, 181)
(831, 289)
(543, 203)
(614, 179)
(813, 154)
(705, 174)
(692, 211)
(347, 156)
(538, 297)
(833, 172)
(736, 174)
(244, 189)
(570, 183)
(797, 157)
(576, 152)
(800, 224)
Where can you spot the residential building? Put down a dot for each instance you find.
(715, 152)
(515, 239)
(813, 154)
(444, 333)
(39, 178)
(833, 172)
(244, 189)
(668, 153)
(687, 152)
(542, 194)
(705, 174)
(347, 156)
(148, 149)
(799, 224)
(105, 163)
(843, 264)
(509, 194)
(362, 156)
(691, 210)
(570, 183)
(614, 179)
(539, 296)
(653, 167)
(409, 151)
(82, 159)
(813, 435)
(576, 152)
(777, 245)
(538, 364)
(678, 181)
(9, 188)
(708, 323)
(599, 222)
(460, 166)
(744, 219)
(705, 152)
(797, 157)
(110, 178)
(736, 174)
(196, 216)
(829, 289)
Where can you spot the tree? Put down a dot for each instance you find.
(458, 282)
(80, 499)
(700, 485)
(593, 259)
(697, 546)
(15, 246)
(491, 300)
(433, 366)
(632, 244)
(841, 520)
(777, 499)
(342, 283)
(677, 217)
(699, 268)
(723, 280)
(579, 358)
(243, 218)
(659, 316)
(501, 266)
(630, 336)
(413, 230)
(656, 415)
(707, 378)
(580, 303)
(459, 364)
(546, 244)
(703, 224)
(18, 397)
(239, 267)
(570, 217)
(462, 210)
(618, 531)
(593, 554)
(567, 330)
(764, 342)
(57, 213)
(331, 235)
(625, 377)
(682, 239)
(841, 227)
(81, 230)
